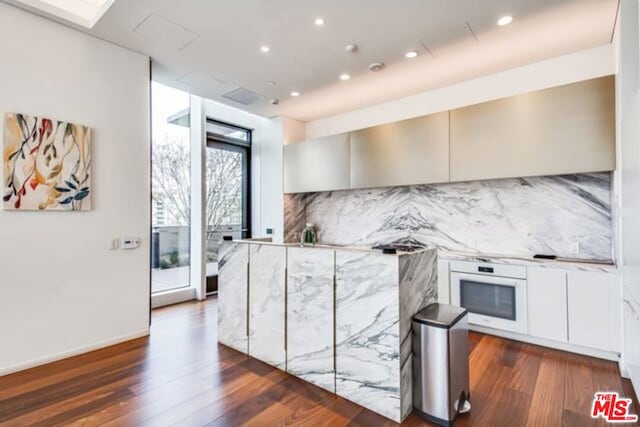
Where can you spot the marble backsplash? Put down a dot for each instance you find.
(519, 216)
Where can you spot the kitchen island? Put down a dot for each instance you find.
(337, 317)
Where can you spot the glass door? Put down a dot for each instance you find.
(171, 189)
(228, 198)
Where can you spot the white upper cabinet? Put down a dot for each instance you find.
(317, 165)
(414, 151)
(565, 129)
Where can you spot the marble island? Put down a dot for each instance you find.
(338, 317)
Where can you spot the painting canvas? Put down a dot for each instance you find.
(47, 164)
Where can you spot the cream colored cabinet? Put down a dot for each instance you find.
(317, 165)
(414, 151)
(565, 129)
(562, 130)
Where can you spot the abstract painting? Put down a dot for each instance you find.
(47, 164)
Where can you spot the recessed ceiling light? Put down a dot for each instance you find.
(264, 49)
(505, 20)
(81, 12)
(272, 83)
(351, 48)
(411, 54)
(344, 76)
(295, 93)
(319, 22)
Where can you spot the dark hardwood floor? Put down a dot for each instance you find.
(180, 376)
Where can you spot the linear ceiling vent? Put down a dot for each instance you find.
(243, 96)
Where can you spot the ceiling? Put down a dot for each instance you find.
(212, 47)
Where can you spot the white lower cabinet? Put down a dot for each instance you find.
(547, 303)
(594, 309)
(632, 341)
(581, 308)
(444, 290)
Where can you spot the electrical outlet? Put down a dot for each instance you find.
(269, 230)
(575, 247)
(129, 242)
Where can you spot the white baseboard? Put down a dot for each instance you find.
(173, 297)
(571, 348)
(75, 352)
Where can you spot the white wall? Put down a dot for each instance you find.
(279, 131)
(583, 65)
(628, 182)
(628, 114)
(62, 291)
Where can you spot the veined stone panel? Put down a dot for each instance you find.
(232, 295)
(367, 331)
(267, 264)
(310, 311)
(515, 217)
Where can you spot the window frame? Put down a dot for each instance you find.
(221, 142)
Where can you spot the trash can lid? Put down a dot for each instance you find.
(440, 315)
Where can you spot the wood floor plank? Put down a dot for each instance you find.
(547, 403)
(579, 390)
(274, 415)
(181, 376)
(629, 392)
(526, 369)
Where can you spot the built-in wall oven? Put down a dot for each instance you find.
(494, 294)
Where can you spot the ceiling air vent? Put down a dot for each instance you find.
(243, 96)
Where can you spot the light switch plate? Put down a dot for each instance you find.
(115, 244)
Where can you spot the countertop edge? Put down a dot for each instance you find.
(544, 263)
(365, 249)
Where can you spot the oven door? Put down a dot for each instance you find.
(494, 302)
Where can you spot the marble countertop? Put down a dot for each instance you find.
(327, 246)
(606, 265)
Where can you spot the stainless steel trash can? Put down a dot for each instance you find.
(441, 363)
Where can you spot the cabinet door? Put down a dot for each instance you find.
(233, 287)
(632, 340)
(368, 332)
(547, 303)
(267, 266)
(310, 311)
(565, 129)
(414, 151)
(317, 165)
(590, 296)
